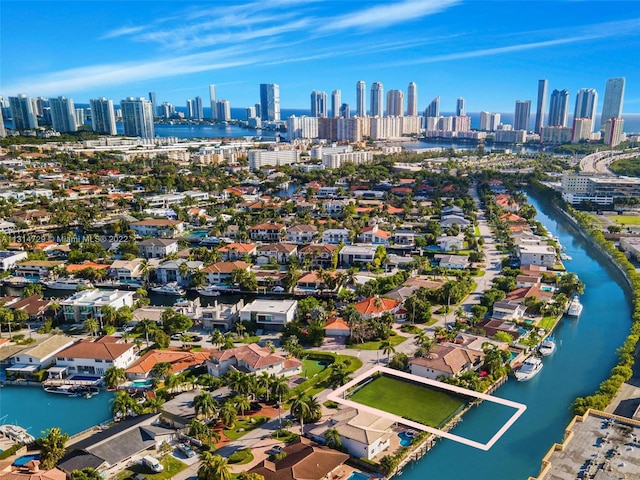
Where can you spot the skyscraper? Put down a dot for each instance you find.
(250, 112)
(63, 114)
(559, 108)
(198, 108)
(344, 110)
(270, 102)
(522, 115)
(361, 99)
(137, 117)
(154, 105)
(395, 103)
(489, 121)
(461, 110)
(377, 99)
(543, 85)
(613, 98)
(336, 100)
(103, 118)
(191, 111)
(223, 110)
(319, 104)
(586, 103)
(212, 100)
(22, 113)
(433, 109)
(412, 99)
(3, 132)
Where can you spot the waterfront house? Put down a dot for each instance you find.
(219, 273)
(506, 202)
(267, 232)
(157, 247)
(112, 449)
(507, 310)
(303, 459)
(179, 359)
(446, 360)
(88, 304)
(336, 236)
(375, 307)
(93, 357)
(222, 316)
(9, 259)
(157, 227)
(543, 255)
(39, 356)
(171, 271)
(33, 217)
(281, 253)
(252, 359)
(301, 234)
(37, 269)
(317, 254)
(359, 432)
(35, 306)
(354, 255)
(236, 251)
(270, 314)
(128, 271)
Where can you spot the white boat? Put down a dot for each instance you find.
(575, 307)
(547, 347)
(68, 284)
(169, 289)
(17, 434)
(209, 291)
(529, 369)
(565, 257)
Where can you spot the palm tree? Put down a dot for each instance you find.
(305, 407)
(228, 414)
(492, 357)
(52, 447)
(206, 405)
(213, 467)
(242, 403)
(264, 381)
(114, 376)
(161, 370)
(55, 306)
(153, 405)
(91, 326)
(280, 387)
(217, 337)
(108, 314)
(332, 438)
(123, 405)
(387, 349)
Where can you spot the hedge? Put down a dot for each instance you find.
(12, 450)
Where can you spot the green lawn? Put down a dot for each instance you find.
(419, 403)
(626, 219)
(395, 340)
(245, 426)
(171, 466)
(547, 322)
(248, 340)
(311, 367)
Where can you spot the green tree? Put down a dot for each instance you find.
(114, 376)
(228, 414)
(242, 403)
(52, 447)
(123, 405)
(213, 467)
(91, 326)
(32, 289)
(161, 370)
(206, 405)
(332, 438)
(387, 349)
(87, 473)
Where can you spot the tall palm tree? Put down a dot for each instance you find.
(332, 438)
(52, 447)
(108, 314)
(114, 376)
(91, 326)
(300, 409)
(123, 405)
(217, 337)
(228, 414)
(387, 349)
(264, 381)
(242, 403)
(206, 405)
(280, 387)
(213, 467)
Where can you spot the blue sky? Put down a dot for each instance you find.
(490, 52)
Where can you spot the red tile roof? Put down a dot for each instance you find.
(376, 306)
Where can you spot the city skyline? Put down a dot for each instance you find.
(449, 48)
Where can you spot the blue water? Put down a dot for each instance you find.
(405, 440)
(37, 410)
(24, 459)
(358, 476)
(584, 355)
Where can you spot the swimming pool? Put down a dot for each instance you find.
(358, 476)
(522, 331)
(406, 438)
(20, 461)
(87, 378)
(142, 383)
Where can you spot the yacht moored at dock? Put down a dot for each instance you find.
(575, 307)
(529, 369)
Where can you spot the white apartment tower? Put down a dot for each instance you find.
(377, 99)
(613, 98)
(586, 103)
(270, 102)
(412, 99)
(543, 85)
(22, 113)
(63, 114)
(361, 99)
(137, 117)
(319, 104)
(461, 109)
(212, 101)
(103, 118)
(336, 101)
(395, 103)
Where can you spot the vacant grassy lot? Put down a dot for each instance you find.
(375, 345)
(626, 219)
(414, 402)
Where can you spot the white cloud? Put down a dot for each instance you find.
(122, 31)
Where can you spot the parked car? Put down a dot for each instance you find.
(152, 463)
(275, 450)
(256, 407)
(186, 450)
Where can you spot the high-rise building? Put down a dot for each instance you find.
(613, 98)
(302, 127)
(250, 112)
(559, 108)
(270, 102)
(212, 100)
(319, 104)
(522, 115)
(154, 105)
(613, 131)
(344, 110)
(586, 103)
(167, 110)
(336, 101)
(103, 118)
(361, 99)
(223, 110)
(395, 103)
(198, 108)
(412, 99)
(3, 132)
(63, 114)
(22, 113)
(137, 117)
(191, 111)
(258, 108)
(543, 85)
(433, 109)
(489, 121)
(377, 99)
(582, 128)
(461, 109)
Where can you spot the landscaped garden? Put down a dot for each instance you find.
(375, 344)
(420, 403)
(171, 467)
(243, 426)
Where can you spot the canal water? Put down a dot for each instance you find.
(582, 360)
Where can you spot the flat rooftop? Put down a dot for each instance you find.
(598, 445)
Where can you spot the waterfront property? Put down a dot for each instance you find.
(88, 304)
(253, 359)
(340, 396)
(270, 314)
(29, 360)
(94, 357)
